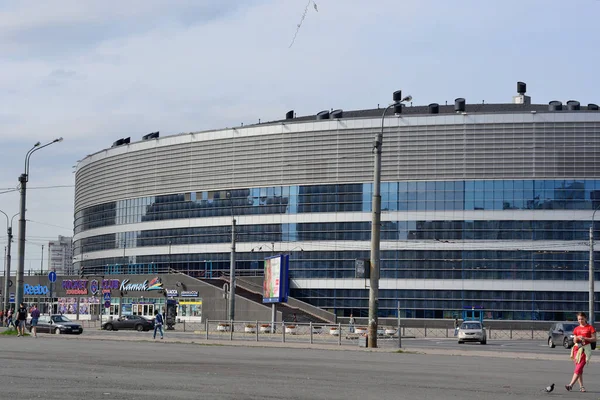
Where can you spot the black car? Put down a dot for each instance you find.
(561, 334)
(133, 322)
(57, 324)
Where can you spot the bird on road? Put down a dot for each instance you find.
(550, 388)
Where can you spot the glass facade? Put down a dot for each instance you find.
(560, 260)
(507, 305)
(395, 196)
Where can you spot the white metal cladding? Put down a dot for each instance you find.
(445, 147)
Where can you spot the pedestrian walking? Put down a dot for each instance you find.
(158, 323)
(9, 318)
(351, 322)
(21, 319)
(581, 352)
(456, 326)
(35, 315)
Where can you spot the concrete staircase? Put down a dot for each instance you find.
(250, 291)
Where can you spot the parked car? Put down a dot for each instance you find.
(133, 322)
(561, 334)
(472, 331)
(57, 324)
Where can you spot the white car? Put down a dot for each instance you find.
(472, 331)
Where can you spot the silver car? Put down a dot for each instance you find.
(472, 331)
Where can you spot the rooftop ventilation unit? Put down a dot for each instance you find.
(323, 115)
(573, 105)
(555, 106)
(521, 98)
(592, 107)
(153, 135)
(127, 140)
(337, 114)
(117, 143)
(459, 105)
(289, 114)
(434, 108)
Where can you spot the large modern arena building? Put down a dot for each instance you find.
(483, 205)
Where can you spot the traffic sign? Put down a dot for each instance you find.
(52, 276)
(12, 298)
(107, 296)
(107, 304)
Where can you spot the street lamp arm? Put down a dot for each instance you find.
(12, 218)
(594, 213)
(33, 150)
(6, 218)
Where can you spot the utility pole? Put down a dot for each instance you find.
(21, 242)
(7, 268)
(4, 278)
(376, 222)
(231, 304)
(41, 273)
(23, 179)
(591, 294)
(232, 274)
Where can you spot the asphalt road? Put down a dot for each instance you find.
(77, 368)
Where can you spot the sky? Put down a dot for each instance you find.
(92, 73)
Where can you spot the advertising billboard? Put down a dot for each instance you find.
(276, 281)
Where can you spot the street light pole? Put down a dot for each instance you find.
(8, 260)
(591, 295)
(23, 179)
(376, 225)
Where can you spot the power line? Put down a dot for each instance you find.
(302, 20)
(51, 187)
(43, 223)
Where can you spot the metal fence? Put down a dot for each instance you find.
(332, 334)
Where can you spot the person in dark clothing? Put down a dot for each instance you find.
(158, 323)
(21, 318)
(35, 315)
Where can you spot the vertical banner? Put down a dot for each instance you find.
(276, 282)
(285, 277)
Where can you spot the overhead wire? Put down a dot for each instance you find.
(302, 20)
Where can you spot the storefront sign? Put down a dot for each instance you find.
(110, 284)
(154, 284)
(94, 287)
(35, 290)
(172, 293)
(75, 286)
(189, 293)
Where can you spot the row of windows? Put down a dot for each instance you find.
(396, 196)
(521, 305)
(456, 265)
(338, 231)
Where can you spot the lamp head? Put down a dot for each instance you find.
(60, 139)
(37, 144)
(407, 98)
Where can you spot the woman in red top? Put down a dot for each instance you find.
(584, 334)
